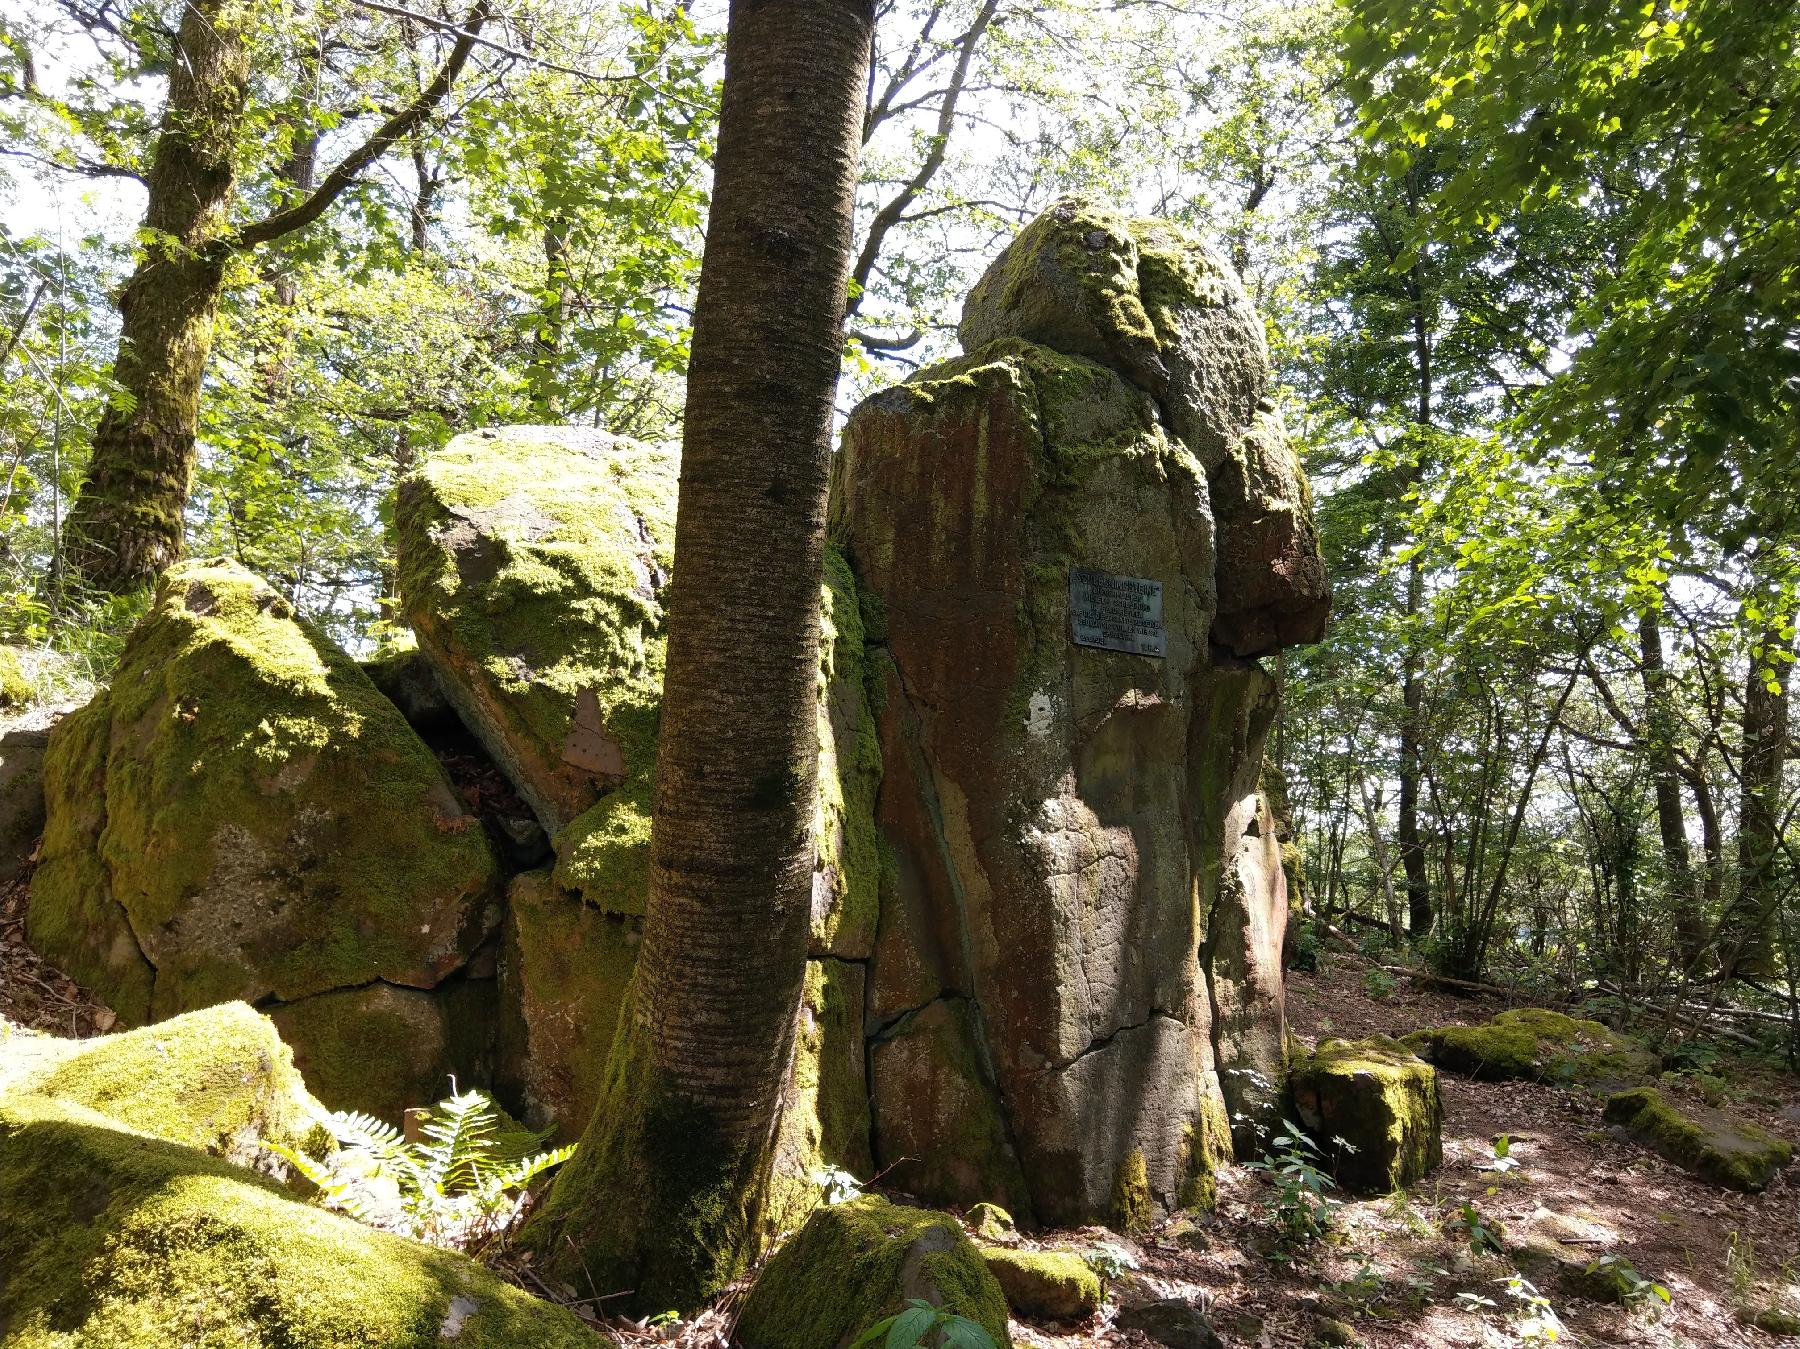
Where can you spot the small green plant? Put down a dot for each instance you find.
(920, 1324)
(1622, 1277)
(1111, 1261)
(1379, 984)
(460, 1185)
(1302, 1211)
(1502, 1161)
(836, 1185)
(1482, 1235)
(1740, 1269)
(1538, 1322)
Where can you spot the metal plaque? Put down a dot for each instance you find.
(1117, 613)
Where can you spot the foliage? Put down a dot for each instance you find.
(1379, 984)
(919, 1323)
(1111, 1261)
(1468, 1222)
(1621, 1276)
(1301, 1211)
(460, 1185)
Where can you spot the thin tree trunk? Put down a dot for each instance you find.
(1765, 735)
(1671, 819)
(1420, 913)
(1383, 866)
(126, 523)
(664, 1197)
(547, 342)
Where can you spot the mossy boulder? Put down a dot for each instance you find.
(385, 1050)
(1539, 1045)
(15, 686)
(1045, 1285)
(532, 564)
(218, 1080)
(1724, 1149)
(242, 815)
(854, 1263)
(1378, 1099)
(114, 1239)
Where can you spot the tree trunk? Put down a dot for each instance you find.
(126, 523)
(1671, 819)
(1765, 735)
(664, 1196)
(553, 315)
(1419, 912)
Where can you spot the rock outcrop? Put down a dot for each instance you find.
(242, 816)
(1071, 732)
(1721, 1148)
(855, 1263)
(1375, 1111)
(23, 742)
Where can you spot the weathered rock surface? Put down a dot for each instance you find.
(532, 566)
(117, 1230)
(1052, 809)
(22, 748)
(1537, 1045)
(1728, 1151)
(242, 815)
(1375, 1096)
(853, 1264)
(1045, 1285)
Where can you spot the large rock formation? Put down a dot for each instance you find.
(1070, 732)
(242, 816)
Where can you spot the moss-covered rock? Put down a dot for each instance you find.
(1133, 1208)
(21, 796)
(1722, 1148)
(219, 1080)
(385, 1050)
(825, 1123)
(1375, 1096)
(1536, 1044)
(1045, 1285)
(1778, 1321)
(15, 687)
(854, 1263)
(112, 1239)
(532, 566)
(242, 815)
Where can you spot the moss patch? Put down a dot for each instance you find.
(114, 1240)
(855, 1263)
(826, 1120)
(1133, 1209)
(1722, 1148)
(1379, 1099)
(15, 688)
(1045, 1285)
(264, 820)
(219, 1080)
(1538, 1045)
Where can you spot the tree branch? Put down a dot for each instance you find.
(395, 129)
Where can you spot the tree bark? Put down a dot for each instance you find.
(1765, 734)
(664, 1197)
(126, 523)
(1671, 818)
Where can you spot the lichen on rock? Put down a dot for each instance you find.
(1729, 1151)
(242, 815)
(853, 1264)
(1375, 1110)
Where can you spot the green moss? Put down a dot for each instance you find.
(15, 689)
(604, 853)
(1133, 1210)
(825, 1124)
(532, 561)
(855, 1263)
(1536, 1044)
(1044, 1285)
(267, 820)
(114, 1240)
(1722, 1148)
(1375, 1097)
(219, 1080)
(849, 856)
(1777, 1321)
(1209, 1148)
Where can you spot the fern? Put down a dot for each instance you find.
(461, 1184)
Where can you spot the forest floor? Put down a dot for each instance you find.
(1395, 1272)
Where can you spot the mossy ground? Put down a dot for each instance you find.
(1728, 1151)
(854, 1263)
(111, 1239)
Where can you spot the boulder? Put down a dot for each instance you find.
(119, 1237)
(23, 742)
(1045, 1285)
(855, 1263)
(384, 1050)
(1724, 1149)
(1538, 1045)
(1067, 758)
(242, 815)
(219, 1080)
(532, 563)
(1171, 1322)
(1378, 1099)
